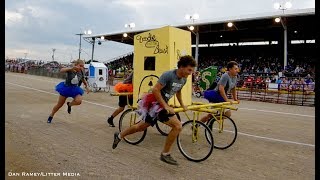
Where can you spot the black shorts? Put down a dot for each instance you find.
(123, 101)
(163, 116)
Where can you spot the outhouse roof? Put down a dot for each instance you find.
(97, 64)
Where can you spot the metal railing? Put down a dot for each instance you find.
(49, 72)
(293, 94)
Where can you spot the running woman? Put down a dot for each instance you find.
(70, 88)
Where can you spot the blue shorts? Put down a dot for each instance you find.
(69, 91)
(213, 96)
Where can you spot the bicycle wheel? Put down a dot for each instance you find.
(94, 87)
(192, 141)
(163, 128)
(224, 136)
(107, 88)
(129, 118)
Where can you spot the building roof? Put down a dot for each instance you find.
(251, 27)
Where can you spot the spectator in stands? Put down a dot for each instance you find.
(195, 76)
(311, 86)
(258, 80)
(280, 80)
(284, 84)
(302, 85)
(274, 79)
(248, 82)
(308, 78)
(267, 81)
(293, 86)
(297, 70)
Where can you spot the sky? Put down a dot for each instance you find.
(33, 28)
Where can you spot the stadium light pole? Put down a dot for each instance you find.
(130, 26)
(92, 40)
(193, 18)
(283, 6)
(125, 35)
(86, 32)
(230, 25)
(25, 55)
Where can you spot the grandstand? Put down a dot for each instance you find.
(256, 42)
(253, 36)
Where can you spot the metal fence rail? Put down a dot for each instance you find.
(292, 96)
(49, 72)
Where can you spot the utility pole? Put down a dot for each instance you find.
(53, 50)
(70, 58)
(25, 55)
(80, 34)
(93, 42)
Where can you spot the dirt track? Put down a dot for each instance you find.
(270, 145)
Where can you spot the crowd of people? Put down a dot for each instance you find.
(123, 63)
(299, 73)
(267, 65)
(264, 69)
(20, 65)
(23, 65)
(306, 84)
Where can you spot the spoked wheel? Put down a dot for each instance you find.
(94, 87)
(224, 132)
(107, 88)
(163, 128)
(127, 119)
(192, 141)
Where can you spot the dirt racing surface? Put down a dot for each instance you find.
(274, 141)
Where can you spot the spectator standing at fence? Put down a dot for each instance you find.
(70, 88)
(311, 86)
(7, 67)
(274, 79)
(284, 84)
(279, 82)
(267, 81)
(303, 85)
(258, 80)
(293, 85)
